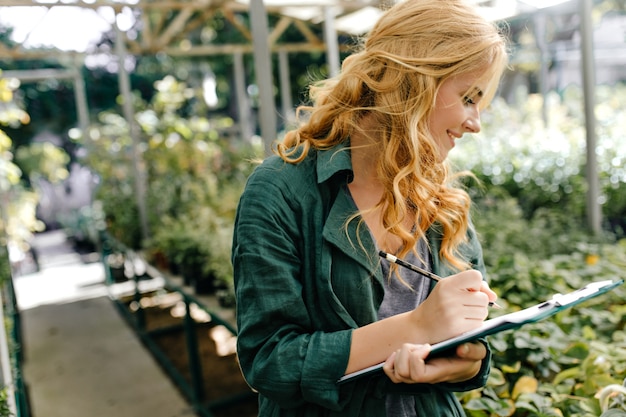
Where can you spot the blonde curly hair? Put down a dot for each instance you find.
(394, 77)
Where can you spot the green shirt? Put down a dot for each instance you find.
(304, 281)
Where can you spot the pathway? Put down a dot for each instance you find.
(81, 359)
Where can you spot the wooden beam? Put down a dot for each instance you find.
(279, 29)
(147, 36)
(157, 35)
(38, 75)
(159, 23)
(230, 16)
(196, 22)
(228, 49)
(176, 4)
(95, 5)
(166, 5)
(174, 27)
(347, 5)
(307, 32)
(20, 54)
(196, 50)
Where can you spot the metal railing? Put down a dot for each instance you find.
(13, 383)
(150, 279)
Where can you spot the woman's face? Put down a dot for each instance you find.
(455, 112)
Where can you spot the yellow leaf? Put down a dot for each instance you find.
(592, 259)
(511, 369)
(6, 96)
(526, 384)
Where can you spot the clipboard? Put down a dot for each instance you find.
(557, 303)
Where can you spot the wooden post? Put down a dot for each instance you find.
(594, 214)
(330, 38)
(263, 66)
(129, 115)
(243, 104)
(80, 96)
(285, 87)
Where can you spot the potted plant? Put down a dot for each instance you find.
(115, 262)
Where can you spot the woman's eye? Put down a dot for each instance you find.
(468, 100)
(472, 97)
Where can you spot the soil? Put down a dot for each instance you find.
(221, 377)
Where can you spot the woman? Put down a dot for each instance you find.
(366, 172)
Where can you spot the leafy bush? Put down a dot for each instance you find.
(195, 172)
(543, 167)
(17, 223)
(18, 203)
(560, 366)
(530, 215)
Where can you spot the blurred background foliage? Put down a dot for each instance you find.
(195, 169)
(530, 201)
(18, 219)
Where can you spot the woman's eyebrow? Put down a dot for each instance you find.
(476, 92)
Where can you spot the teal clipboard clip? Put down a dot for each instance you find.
(557, 303)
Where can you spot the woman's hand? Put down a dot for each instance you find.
(457, 304)
(410, 364)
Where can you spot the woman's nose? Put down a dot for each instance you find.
(472, 123)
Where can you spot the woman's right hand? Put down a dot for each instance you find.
(410, 364)
(458, 303)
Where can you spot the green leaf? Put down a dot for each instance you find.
(579, 350)
(566, 374)
(496, 377)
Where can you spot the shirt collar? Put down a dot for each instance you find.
(333, 160)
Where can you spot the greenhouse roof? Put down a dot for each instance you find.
(54, 18)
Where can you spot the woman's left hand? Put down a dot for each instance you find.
(410, 364)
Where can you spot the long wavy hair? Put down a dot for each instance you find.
(394, 77)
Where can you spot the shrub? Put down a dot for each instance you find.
(543, 167)
(194, 170)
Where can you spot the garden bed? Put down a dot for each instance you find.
(164, 314)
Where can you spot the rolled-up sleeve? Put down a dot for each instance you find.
(281, 354)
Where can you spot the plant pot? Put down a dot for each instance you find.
(189, 272)
(116, 264)
(161, 260)
(225, 298)
(204, 284)
(117, 274)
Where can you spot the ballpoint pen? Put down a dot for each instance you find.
(426, 273)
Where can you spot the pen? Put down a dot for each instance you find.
(426, 273)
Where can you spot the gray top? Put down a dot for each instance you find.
(399, 298)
